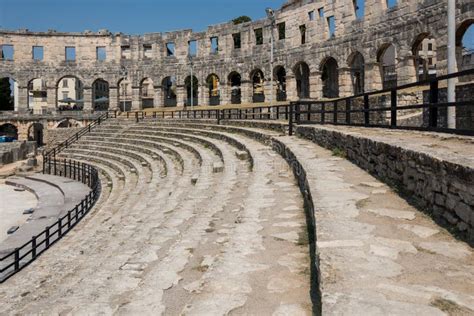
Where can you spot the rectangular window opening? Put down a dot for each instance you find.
(359, 8)
(237, 40)
(70, 53)
(38, 53)
(311, 15)
(170, 49)
(303, 34)
(321, 12)
(259, 36)
(192, 48)
(332, 27)
(101, 54)
(147, 51)
(7, 52)
(281, 31)
(391, 3)
(214, 45)
(126, 54)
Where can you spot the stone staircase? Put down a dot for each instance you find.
(199, 218)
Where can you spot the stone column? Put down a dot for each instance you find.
(246, 92)
(204, 95)
(373, 77)
(224, 93)
(158, 98)
(315, 85)
(345, 82)
(406, 70)
(87, 106)
(113, 99)
(136, 99)
(180, 95)
(22, 104)
(52, 98)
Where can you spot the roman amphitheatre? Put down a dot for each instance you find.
(317, 161)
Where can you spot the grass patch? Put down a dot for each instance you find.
(338, 152)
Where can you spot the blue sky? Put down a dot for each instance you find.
(127, 16)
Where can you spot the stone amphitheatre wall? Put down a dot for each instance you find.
(145, 56)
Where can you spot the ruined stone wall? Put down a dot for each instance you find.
(401, 26)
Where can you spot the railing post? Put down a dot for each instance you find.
(297, 113)
(308, 115)
(290, 120)
(323, 113)
(60, 228)
(366, 110)
(17, 259)
(47, 237)
(393, 108)
(334, 118)
(348, 111)
(218, 117)
(33, 247)
(433, 100)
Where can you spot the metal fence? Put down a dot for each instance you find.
(20, 257)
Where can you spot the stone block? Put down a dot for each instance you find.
(217, 167)
(241, 154)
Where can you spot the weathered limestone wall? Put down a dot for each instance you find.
(11, 152)
(442, 188)
(53, 137)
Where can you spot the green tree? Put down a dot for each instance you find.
(241, 19)
(6, 100)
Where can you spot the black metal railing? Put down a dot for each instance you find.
(20, 257)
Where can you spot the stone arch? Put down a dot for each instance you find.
(100, 95)
(386, 57)
(235, 82)
(424, 56)
(465, 51)
(192, 90)
(37, 95)
(9, 100)
(213, 88)
(279, 75)
(258, 81)
(9, 130)
(125, 94)
(330, 77)
(301, 71)
(70, 93)
(147, 93)
(169, 91)
(356, 63)
(68, 123)
(36, 133)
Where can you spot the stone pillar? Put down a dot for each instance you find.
(180, 95)
(315, 85)
(345, 82)
(22, 104)
(291, 93)
(113, 98)
(87, 106)
(52, 98)
(136, 99)
(246, 92)
(224, 93)
(158, 98)
(373, 77)
(406, 70)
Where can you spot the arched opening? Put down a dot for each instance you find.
(280, 79)
(35, 133)
(169, 91)
(8, 132)
(68, 123)
(235, 81)
(37, 95)
(258, 86)
(147, 93)
(330, 78)
(125, 95)
(213, 86)
(100, 95)
(465, 45)
(301, 71)
(8, 94)
(424, 54)
(192, 90)
(357, 65)
(388, 72)
(70, 92)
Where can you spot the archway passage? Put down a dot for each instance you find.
(465, 45)
(213, 89)
(258, 86)
(9, 131)
(147, 93)
(125, 95)
(301, 71)
(424, 54)
(68, 123)
(357, 65)
(35, 133)
(37, 95)
(388, 72)
(8, 94)
(100, 95)
(235, 81)
(169, 91)
(330, 78)
(280, 79)
(70, 92)
(192, 91)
